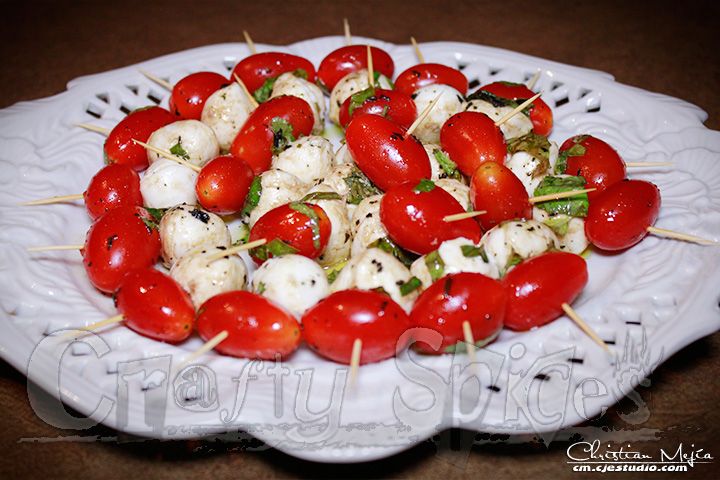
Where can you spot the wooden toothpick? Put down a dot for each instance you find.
(346, 28)
(56, 199)
(51, 248)
(584, 326)
(249, 42)
(469, 341)
(418, 53)
(370, 69)
(559, 195)
(462, 216)
(236, 249)
(648, 164)
(93, 326)
(206, 347)
(531, 83)
(518, 109)
(422, 116)
(244, 88)
(355, 361)
(163, 83)
(662, 232)
(94, 128)
(168, 155)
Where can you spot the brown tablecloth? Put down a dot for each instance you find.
(661, 46)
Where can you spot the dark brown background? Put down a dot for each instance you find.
(660, 46)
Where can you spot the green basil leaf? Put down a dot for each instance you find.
(315, 196)
(261, 288)
(425, 186)
(334, 270)
(312, 215)
(576, 206)
(536, 145)
(243, 235)
(359, 98)
(435, 265)
(558, 223)
(514, 260)
(179, 151)
(157, 213)
(360, 187)
(282, 134)
(263, 93)
(274, 248)
(300, 73)
(388, 246)
(492, 99)
(253, 196)
(448, 166)
(410, 286)
(473, 251)
(575, 151)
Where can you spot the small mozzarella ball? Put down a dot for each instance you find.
(437, 172)
(294, 282)
(457, 189)
(523, 238)
(203, 279)
(574, 239)
(185, 228)
(366, 225)
(338, 246)
(197, 139)
(530, 169)
(342, 156)
(288, 84)
(517, 126)
(278, 188)
(308, 158)
(336, 178)
(167, 183)
(449, 104)
(225, 112)
(373, 269)
(454, 261)
(348, 85)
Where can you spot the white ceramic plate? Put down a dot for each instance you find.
(649, 302)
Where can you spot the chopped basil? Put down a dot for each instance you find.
(157, 213)
(380, 290)
(575, 151)
(334, 270)
(576, 206)
(282, 134)
(492, 99)
(253, 196)
(315, 196)
(243, 235)
(150, 224)
(300, 73)
(179, 151)
(448, 166)
(558, 223)
(435, 265)
(473, 251)
(536, 145)
(274, 248)
(360, 187)
(359, 98)
(261, 288)
(312, 215)
(514, 260)
(410, 286)
(263, 93)
(388, 246)
(425, 186)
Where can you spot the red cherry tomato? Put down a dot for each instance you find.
(256, 328)
(426, 74)
(471, 138)
(458, 298)
(297, 227)
(122, 240)
(154, 305)
(139, 125)
(540, 114)
(260, 133)
(189, 94)
(257, 68)
(114, 186)
(223, 184)
(413, 216)
(331, 327)
(594, 160)
(538, 287)
(495, 189)
(381, 150)
(620, 216)
(397, 107)
(350, 59)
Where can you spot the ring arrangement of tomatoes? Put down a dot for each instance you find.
(366, 248)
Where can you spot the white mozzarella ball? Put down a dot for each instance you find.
(366, 225)
(203, 279)
(530, 169)
(517, 126)
(517, 238)
(457, 189)
(336, 178)
(373, 269)
(196, 139)
(225, 112)
(454, 261)
(294, 282)
(342, 156)
(449, 104)
(348, 85)
(573, 240)
(338, 246)
(185, 228)
(167, 183)
(278, 188)
(288, 84)
(308, 158)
